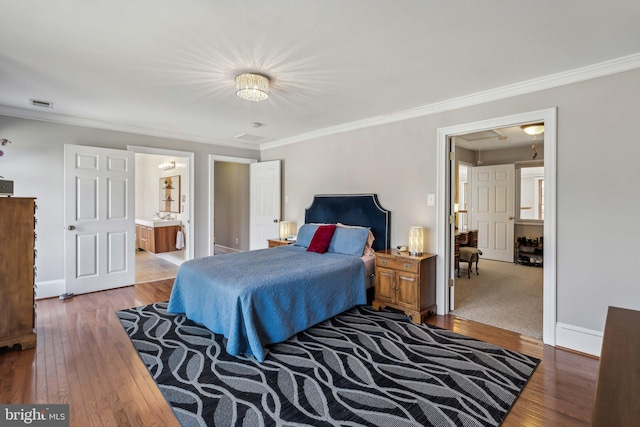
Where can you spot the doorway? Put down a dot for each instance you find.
(445, 225)
(163, 207)
(504, 292)
(228, 204)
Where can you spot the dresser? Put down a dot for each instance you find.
(406, 283)
(17, 258)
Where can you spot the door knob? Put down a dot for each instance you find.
(510, 218)
(71, 227)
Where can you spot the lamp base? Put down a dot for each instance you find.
(415, 253)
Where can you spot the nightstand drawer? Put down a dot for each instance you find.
(409, 265)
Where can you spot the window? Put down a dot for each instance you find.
(530, 193)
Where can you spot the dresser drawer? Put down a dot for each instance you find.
(410, 265)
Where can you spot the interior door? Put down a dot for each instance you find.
(264, 194)
(493, 210)
(99, 214)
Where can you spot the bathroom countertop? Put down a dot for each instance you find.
(158, 222)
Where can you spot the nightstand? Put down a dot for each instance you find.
(272, 243)
(406, 283)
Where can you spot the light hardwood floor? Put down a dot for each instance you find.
(150, 267)
(84, 358)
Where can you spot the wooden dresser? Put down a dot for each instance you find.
(406, 283)
(17, 258)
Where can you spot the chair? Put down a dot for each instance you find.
(469, 255)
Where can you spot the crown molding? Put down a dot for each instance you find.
(614, 66)
(24, 113)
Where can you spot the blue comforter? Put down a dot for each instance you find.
(265, 296)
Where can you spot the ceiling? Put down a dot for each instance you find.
(498, 139)
(167, 68)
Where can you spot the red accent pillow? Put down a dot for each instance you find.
(321, 239)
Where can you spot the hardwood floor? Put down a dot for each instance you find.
(150, 267)
(84, 358)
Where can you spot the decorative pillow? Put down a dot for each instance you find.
(322, 238)
(305, 234)
(349, 241)
(368, 248)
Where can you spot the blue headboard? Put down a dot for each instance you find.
(353, 209)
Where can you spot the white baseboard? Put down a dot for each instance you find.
(51, 288)
(579, 339)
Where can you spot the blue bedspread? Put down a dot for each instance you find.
(265, 296)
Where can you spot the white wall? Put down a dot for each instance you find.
(148, 176)
(596, 248)
(35, 162)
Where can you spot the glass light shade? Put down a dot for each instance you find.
(284, 229)
(167, 166)
(416, 240)
(533, 129)
(252, 87)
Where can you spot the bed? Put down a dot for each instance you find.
(265, 296)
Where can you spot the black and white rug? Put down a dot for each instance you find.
(360, 368)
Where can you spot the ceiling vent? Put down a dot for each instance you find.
(248, 137)
(41, 104)
(481, 135)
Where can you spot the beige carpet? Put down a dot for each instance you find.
(505, 295)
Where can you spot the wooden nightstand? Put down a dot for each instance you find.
(272, 243)
(406, 283)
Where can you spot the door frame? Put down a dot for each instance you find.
(445, 201)
(213, 158)
(190, 156)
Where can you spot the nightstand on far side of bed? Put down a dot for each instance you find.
(406, 283)
(272, 243)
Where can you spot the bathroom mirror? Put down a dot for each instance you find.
(530, 193)
(170, 194)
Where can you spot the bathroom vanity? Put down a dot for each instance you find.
(157, 236)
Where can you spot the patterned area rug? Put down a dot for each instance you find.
(360, 368)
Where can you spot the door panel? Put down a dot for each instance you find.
(99, 216)
(493, 210)
(264, 203)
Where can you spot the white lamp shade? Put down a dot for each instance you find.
(416, 240)
(284, 229)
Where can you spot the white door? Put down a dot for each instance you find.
(99, 217)
(493, 210)
(264, 213)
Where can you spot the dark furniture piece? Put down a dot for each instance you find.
(466, 239)
(618, 385)
(17, 257)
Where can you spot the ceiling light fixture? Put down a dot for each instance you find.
(252, 87)
(533, 128)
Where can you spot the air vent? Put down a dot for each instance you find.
(41, 104)
(481, 135)
(248, 137)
